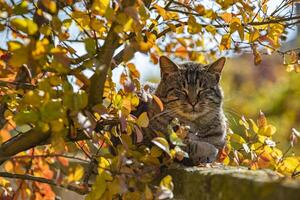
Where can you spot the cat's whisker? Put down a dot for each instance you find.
(164, 113)
(232, 111)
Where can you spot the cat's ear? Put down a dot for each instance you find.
(167, 66)
(217, 66)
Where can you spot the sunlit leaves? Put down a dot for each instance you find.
(254, 35)
(19, 53)
(227, 17)
(21, 8)
(75, 173)
(100, 6)
(166, 187)
(162, 143)
(291, 61)
(100, 184)
(193, 26)
(24, 25)
(225, 42)
(50, 5)
(257, 149)
(236, 25)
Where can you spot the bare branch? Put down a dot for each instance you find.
(78, 189)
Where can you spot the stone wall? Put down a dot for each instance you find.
(232, 183)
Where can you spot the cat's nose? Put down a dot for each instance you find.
(192, 103)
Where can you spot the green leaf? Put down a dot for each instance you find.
(98, 188)
(26, 117)
(21, 8)
(90, 46)
(236, 138)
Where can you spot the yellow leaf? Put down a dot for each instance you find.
(227, 17)
(162, 12)
(289, 164)
(75, 173)
(211, 29)
(143, 120)
(200, 9)
(254, 35)
(155, 152)
(135, 101)
(225, 42)
(236, 138)
(98, 188)
(133, 71)
(254, 126)
(267, 130)
(100, 6)
(103, 164)
(57, 125)
(14, 45)
(21, 8)
(193, 26)
(115, 186)
(236, 25)
(257, 58)
(162, 143)
(290, 57)
(8, 166)
(24, 25)
(166, 182)
(148, 193)
(50, 5)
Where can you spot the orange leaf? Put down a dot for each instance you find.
(158, 102)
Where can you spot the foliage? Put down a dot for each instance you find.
(56, 96)
(256, 149)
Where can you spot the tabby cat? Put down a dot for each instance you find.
(191, 93)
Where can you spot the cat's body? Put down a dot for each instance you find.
(191, 93)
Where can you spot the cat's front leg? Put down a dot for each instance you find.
(201, 152)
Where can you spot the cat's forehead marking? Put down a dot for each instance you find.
(192, 72)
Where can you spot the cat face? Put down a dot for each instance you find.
(190, 90)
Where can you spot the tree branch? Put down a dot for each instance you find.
(77, 189)
(33, 137)
(104, 61)
(30, 139)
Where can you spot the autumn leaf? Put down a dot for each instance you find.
(75, 173)
(158, 102)
(24, 25)
(162, 143)
(143, 120)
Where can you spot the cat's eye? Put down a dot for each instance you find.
(181, 92)
(203, 91)
(185, 92)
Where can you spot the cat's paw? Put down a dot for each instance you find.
(201, 152)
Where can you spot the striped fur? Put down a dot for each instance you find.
(191, 93)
